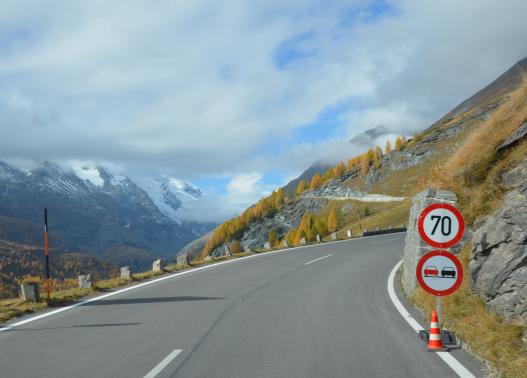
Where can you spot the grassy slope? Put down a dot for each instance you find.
(473, 173)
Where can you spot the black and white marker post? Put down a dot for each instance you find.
(46, 248)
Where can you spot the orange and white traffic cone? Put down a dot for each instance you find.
(434, 340)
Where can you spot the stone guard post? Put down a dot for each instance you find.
(414, 246)
(30, 292)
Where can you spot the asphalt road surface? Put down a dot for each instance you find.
(318, 311)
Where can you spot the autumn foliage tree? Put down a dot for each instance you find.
(272, 238)
(388, 148)
(301, 187)
(233, 228)
(399, 144)
(332, 221)
(316, 181)
(338, 170)
(364, 164)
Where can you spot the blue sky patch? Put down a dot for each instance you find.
(294, 50)
(369, 13)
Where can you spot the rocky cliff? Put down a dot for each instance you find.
(498, 264)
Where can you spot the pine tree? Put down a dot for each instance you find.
(388, 148)
(316, 181)
(301, 187)
(332, 221)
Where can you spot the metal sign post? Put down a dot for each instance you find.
(438, 309)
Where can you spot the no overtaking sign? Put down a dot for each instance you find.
(439, 273)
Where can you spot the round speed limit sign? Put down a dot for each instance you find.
(441, 225)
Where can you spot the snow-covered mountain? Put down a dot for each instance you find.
(93, 208)
(169, 194)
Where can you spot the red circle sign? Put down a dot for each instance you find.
(441, 225)
(439, 273)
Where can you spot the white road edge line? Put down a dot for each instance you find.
(320, 258)
(62, 309)
(450, 360)
(163, 364)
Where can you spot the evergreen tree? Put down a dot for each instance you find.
(388, 148)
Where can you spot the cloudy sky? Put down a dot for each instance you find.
(237, 96)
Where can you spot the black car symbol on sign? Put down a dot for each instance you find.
(448, 271)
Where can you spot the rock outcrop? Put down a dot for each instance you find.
(498, 264)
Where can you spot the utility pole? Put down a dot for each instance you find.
(46, 248)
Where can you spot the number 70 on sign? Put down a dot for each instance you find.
(441, 225)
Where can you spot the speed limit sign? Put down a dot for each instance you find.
(441, 225)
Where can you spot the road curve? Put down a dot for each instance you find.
(318, 311)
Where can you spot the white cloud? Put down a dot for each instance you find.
(245, 189)
(190, 88)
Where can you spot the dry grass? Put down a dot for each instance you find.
(382, 214)
(474, 171)
(488, 336)
(12, 308)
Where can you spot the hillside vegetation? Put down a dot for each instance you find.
(20, 263)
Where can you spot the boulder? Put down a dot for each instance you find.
(267, 245)
(318, 239)
(414, 246)
(334, 236)
(227, 251)
(516, 176)
(303, 241)
(285, 244)
(498, 263)
(514, 138)
(349, 234)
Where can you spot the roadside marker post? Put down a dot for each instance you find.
(46, 249)
(439, 272)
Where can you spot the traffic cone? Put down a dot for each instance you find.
(434, 340)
